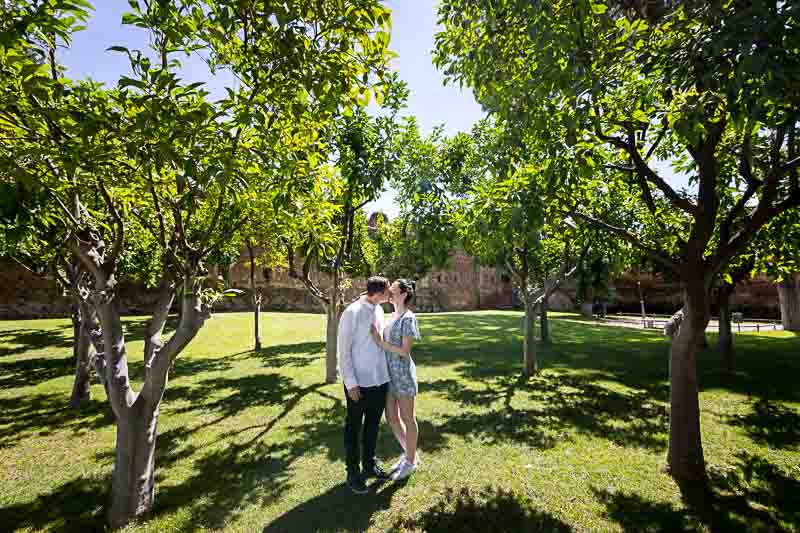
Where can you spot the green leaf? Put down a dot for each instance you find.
(599, 9)
(640, 115)
(125, 81)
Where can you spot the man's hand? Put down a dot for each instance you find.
(354, 393)
(376, 335)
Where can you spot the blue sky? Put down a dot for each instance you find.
(413, 28)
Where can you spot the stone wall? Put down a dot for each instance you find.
(26, 295)
(463, 286)
(756, 298)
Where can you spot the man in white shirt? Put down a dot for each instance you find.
(362, 365)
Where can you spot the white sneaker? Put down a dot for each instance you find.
(405, 470)
(399, 463)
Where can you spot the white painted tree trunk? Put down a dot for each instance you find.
(257, 324)
(789, 298)
(543, 320)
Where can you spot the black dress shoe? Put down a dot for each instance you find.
(375, 471)
(356, 484)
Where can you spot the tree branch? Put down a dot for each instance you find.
(119, 238)
(64, 208)
(178, 216)
(654, 254)
(305, 279)
(215, 218)
(787, 167)
(157, 206)
(26, 267)
(648, 173)
(655, 144)
(620, 168)
(794, 181)
(224, 235)
(755, 221)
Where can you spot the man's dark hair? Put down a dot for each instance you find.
(376, 284)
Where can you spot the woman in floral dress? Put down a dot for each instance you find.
(397, 338)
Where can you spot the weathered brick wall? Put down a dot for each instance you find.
(460, 287)
(25, 295)
(757, 297)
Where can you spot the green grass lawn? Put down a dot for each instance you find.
(253, 441)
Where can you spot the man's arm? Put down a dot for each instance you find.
(344, 347)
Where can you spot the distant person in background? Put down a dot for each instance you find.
(397, 339)
(362, 365)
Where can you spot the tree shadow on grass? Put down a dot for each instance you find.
(489, 510)
(227, 396)
(771, 424)
(76, 506)
(553, 405)
(336, 510)
(755, 495)
(225, 480)
(291, 355)
(136, 327)
(186, 366)
(32, 371)
(239, 468)
(766, 367)
(489, 345)
(18, 341)
(45, 414)
(242, 467)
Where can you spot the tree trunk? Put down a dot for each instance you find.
(86, 341)
(81, 387)
(531, 365)
(789, 297)
(685, 456)
(75, 315)
(725, 332)
(133, 486)
(332, 330)
(256, 297)
(257, 321)
(545, 323)
(587, 307)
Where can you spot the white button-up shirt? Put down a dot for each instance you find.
(362, 363)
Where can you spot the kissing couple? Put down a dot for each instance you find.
(378, 374)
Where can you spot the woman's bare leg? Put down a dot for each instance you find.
(408, 416)
(393, 417)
